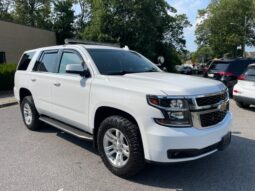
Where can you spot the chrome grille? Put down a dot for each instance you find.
(211, 100)
(209, 110)
(213, 118)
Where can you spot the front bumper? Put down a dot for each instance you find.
(246, 100)
(204, 141)
(189, 153)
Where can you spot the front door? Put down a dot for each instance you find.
(70, 92)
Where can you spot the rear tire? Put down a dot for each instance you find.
(243, 105)
(131, 160)
(29, 113)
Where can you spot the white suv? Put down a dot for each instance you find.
(132, 111)
(244, 90)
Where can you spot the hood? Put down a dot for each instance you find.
(169, 83)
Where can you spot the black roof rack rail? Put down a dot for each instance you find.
(74, 41)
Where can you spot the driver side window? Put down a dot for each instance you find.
(69, 58)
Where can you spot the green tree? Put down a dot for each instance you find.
(144, 25)
(5, 7)
(63, 20)
(204, 54)
(35, 13)
(227, 25)
(83, 17)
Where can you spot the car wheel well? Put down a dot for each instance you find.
(104, 112)
(23, 92)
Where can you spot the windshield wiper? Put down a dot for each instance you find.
(123, 72)
(120, 73)
(152, 70)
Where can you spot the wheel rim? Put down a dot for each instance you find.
(116, 147)
(27, 114)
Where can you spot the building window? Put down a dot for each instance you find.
(2, 58)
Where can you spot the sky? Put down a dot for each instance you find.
(190, 8)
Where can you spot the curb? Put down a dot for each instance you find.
(8, 104)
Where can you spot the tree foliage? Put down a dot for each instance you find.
(226, 25)
(5, 7)
(35, 13)
(204, 54)
(147, 26)
(63, 20)
(144, 25)
(84, 17)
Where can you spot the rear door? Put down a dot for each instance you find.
(249, 79)
(41, 80)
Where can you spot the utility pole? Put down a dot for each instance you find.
(244, 38)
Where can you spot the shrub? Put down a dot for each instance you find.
(7, 72)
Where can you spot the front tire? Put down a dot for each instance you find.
(30, 114)
(120, 146)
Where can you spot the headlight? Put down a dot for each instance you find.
(175, 110)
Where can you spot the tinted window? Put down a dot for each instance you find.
(250, 74)
(69, 58)
(239, 67)
(119, 62)
(25, 60)
(47, 63)
(219, 66)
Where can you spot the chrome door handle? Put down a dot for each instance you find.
(33, 80)
(57, 84)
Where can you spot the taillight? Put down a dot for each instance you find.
(225, 74)
(241, 77)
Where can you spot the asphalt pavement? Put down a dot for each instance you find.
(50, 160)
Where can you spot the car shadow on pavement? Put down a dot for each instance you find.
(232, 169)
(45, 128)
(252, 108)
(88, 145)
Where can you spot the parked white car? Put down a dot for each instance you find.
(132, 111)
(244, 90)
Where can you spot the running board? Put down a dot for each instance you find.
(67, 128)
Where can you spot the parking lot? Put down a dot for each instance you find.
(52, 160)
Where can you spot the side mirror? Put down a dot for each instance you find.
(77, 69)
(161, 60)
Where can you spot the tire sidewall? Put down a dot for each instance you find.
(131, 139)
(34, 124)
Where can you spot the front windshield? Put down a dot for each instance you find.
(120, 62)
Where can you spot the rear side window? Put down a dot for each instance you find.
(250, 74)
(47, 63)
(239, 67)
(25, 60)
(219, 67)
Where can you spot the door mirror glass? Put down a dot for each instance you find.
(77, 69)
(161, 60)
